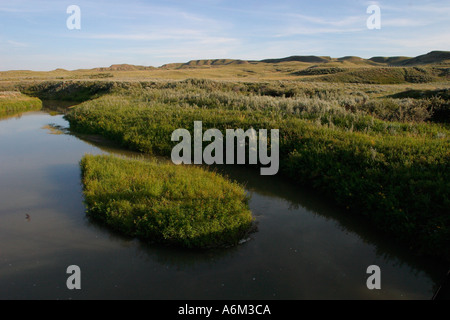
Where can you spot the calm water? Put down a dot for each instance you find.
(304, 248)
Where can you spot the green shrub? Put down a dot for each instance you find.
(67, 90)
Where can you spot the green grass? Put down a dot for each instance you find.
(184, 206)
(386, 75)
(394, 173)
(15, 102)
(66, 90)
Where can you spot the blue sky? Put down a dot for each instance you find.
(34, 35)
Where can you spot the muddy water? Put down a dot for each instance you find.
(304, 247)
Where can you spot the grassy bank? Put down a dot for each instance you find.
(178, 205)
(395, 173)
(15, 102)
(65, 90)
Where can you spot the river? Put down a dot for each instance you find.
(304, 248)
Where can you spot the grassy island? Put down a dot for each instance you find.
(161, 202)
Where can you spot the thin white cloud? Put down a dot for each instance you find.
(346, 21)
(433, 8)
(182, 35)
(403, 22)
(140, 36)
(4, 9)
(294, 31)
(207, 47)
(427, 41)
(17, 44)
(27, 6)
(300, 24)
(164, 13)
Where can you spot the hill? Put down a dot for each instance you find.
(204, 63)
(433, 57)
(123, 67)
(389, 60)
(307, 59)
(431, 67)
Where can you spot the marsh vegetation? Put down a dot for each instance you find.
(384, 158)
(374, 139)
(13, 102)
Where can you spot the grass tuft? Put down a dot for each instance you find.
(184, 206)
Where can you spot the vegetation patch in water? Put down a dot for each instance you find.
(179, 205)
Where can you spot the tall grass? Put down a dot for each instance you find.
(15, 102)
(183, 206)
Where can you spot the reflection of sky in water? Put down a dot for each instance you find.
(299, 252)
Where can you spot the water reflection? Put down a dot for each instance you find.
(57, 107)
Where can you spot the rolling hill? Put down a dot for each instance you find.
(431, 67)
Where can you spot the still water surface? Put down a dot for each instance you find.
(304, 248)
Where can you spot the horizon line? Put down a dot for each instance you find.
(215, 59)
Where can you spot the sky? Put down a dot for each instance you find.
(34, 34)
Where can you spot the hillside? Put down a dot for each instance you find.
(307, 59)
(390, 60)
(434, 57)
(123, 67)
(428, 68)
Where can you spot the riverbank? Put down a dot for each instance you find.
(13, 102)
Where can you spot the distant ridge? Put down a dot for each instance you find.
(308, 59)
(352, 59)
(433, 57)
(124, 67)
(389, 60)
(207, 62)
(216, 62)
